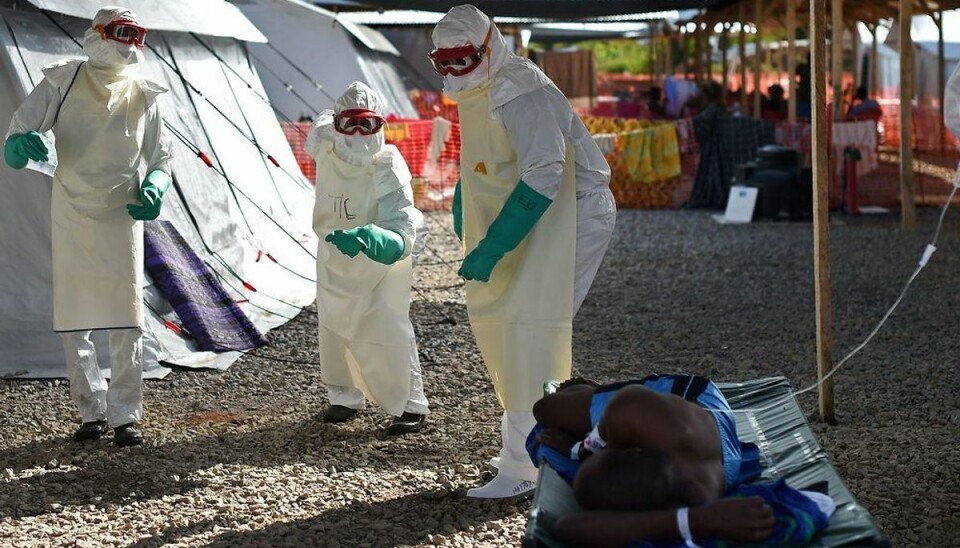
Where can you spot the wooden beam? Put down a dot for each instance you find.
(941, 79)
(821, 204)
(908, 208)
(875, 62)
(792, 60)
(742, 53)
(757, 66)
(836, 33)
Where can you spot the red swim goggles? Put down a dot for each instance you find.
(459, 61)
(358, 120)
(123, 31)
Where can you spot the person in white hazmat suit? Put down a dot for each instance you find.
(368, 228)
(535, 213)
(112, 173)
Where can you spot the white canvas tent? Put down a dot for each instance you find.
(926, 64)
(311, 45)
(264, 208)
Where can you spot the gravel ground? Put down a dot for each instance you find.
(241, 458)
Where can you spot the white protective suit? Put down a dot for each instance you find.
(367, 342)
(542, 129)
(108, 137)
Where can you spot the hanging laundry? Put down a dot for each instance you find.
(861, 135)
(607, 142)
(665, 150)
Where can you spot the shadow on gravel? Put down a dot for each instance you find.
(411, 519)
(99, 474)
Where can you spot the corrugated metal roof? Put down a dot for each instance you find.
(418, 17)
(552, 9)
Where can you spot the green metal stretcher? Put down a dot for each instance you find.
(788, 450)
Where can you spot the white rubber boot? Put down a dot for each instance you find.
(503, 487)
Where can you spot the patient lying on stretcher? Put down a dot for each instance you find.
(646, 449)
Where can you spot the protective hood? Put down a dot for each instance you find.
(357, 149)
(108, 54)
(507, 74)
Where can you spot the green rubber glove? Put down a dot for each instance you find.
(151, 196)
(520, 213)
(458, 212)
(348, 244)
(23, 147)
(379, 244)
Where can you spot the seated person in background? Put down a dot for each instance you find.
(864, 107)
(773, 107)
(655, 104)
(657, 456)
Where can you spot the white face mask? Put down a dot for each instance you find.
(358, 149)
(110, 53)
(475, 79)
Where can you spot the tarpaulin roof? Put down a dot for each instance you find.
(207, 17)
(571, 9)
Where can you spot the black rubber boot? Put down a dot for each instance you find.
(127, 435)
(90, 431)
(407, 423)
(338, 413)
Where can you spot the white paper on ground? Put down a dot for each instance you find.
(740, 205)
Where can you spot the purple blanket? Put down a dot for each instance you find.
(207, 312)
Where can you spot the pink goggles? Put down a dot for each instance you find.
(362, 121)
(459, 61)
(123, 31)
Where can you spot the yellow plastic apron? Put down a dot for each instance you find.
(97, 248)
(523, 317)
(363, 302)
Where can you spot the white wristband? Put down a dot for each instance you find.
(683, 525)
(575, 451)
(593, 441)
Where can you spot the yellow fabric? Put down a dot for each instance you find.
(523, 318)
(665, 153)
(364, 302)
(394, 132)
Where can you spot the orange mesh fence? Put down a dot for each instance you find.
(296, 134)
(431, 104)
(434, 176)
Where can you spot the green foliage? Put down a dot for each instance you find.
(619, 56)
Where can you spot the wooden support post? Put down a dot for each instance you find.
(708, 52)
(652, 52)
(908, 208)
(697, 54)
(836, 34)
(821, 203)
(757, 57)
(874, 62)
(724, 62)
(855, 45)
(792, 60)
(742, 55)
(941, 79)
(669, 54)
